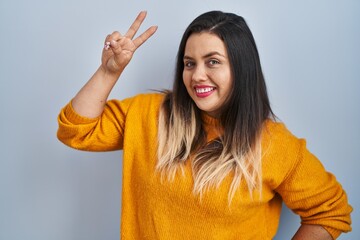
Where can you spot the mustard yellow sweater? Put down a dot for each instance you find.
(152, 209)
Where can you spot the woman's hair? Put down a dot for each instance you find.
(238, 150)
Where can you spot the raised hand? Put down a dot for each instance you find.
(119, 49)
(117, 53)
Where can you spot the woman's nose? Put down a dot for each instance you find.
(199, 74)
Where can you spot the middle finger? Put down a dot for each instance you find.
(136, 25)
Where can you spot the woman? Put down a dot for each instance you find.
(206, 160)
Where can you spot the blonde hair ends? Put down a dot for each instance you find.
(211, 162)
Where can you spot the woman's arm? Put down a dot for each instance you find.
(313, 232)
(308, 189)
(117, 53)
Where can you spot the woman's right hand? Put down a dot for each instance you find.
(119, 49)
(117, 53)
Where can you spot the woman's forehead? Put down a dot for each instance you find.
(204, 43)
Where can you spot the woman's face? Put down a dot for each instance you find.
(207, 74)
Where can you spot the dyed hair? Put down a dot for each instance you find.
(238, 149)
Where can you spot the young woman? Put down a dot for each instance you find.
(206, 160)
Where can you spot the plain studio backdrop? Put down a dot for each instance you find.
(310, 54)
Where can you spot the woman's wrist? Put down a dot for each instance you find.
(106, 75)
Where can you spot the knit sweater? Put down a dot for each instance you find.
(156, 209)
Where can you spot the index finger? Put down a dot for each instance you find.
(136, 25)
(145, 36)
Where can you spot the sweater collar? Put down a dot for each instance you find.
(209, 120)
(211, 126)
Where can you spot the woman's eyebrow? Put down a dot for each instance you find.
(210, 54)
(187, 58)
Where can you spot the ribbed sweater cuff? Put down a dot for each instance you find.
(76, 118)
(333, 232)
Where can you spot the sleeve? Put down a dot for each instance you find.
(104, 133)
(314, 194)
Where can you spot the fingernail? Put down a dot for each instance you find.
(107, 45)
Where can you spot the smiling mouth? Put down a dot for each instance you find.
(203, 92)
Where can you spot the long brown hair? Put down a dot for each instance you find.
(238, 149)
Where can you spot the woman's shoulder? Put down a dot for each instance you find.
(142, 100)
(279, 140)
(146, 97)
(281, 151)
(276, 130)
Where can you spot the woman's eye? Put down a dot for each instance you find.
(213, 62)
(188, 64)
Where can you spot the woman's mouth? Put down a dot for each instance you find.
(204, 91)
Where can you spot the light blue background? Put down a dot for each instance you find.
(310, 53)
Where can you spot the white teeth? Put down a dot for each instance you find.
(204, 90)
